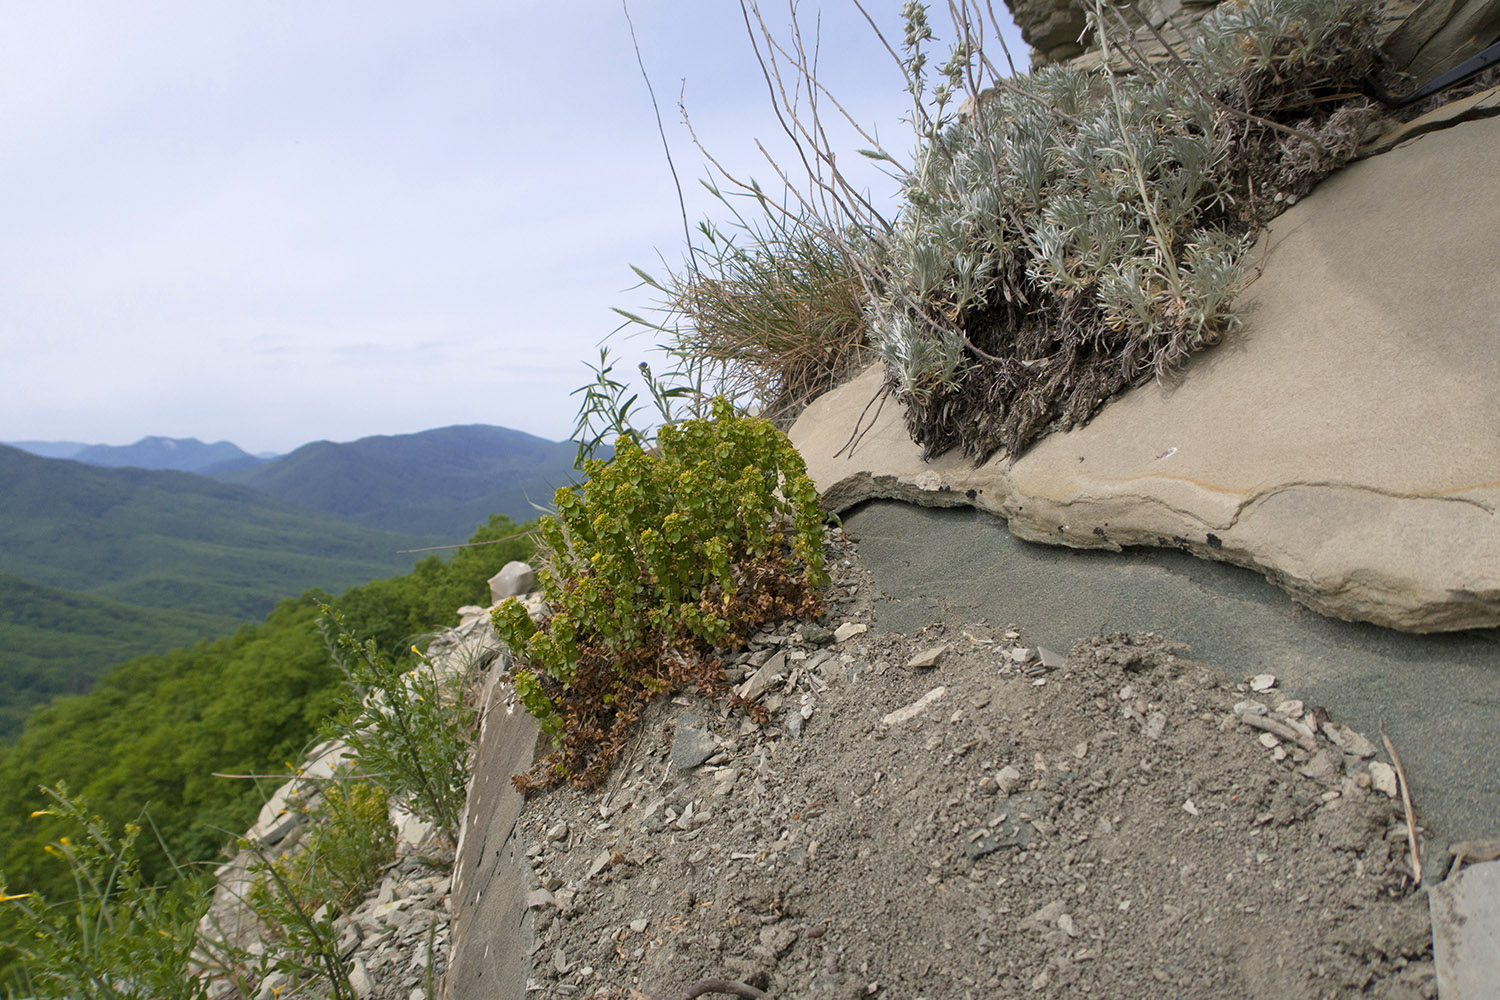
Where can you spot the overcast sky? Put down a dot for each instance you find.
(278, 222)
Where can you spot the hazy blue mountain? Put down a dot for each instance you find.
(49, 449)
(179, 454)
(439, 482)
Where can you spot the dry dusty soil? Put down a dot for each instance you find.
(1001, 823)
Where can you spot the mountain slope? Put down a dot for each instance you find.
(48, 449)
(174, 540)
(438, 482)
(55, 641)
(179, 454)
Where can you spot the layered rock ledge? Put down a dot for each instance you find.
(1345, 442)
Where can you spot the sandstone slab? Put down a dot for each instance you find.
(1345, 442)
(1466, 933)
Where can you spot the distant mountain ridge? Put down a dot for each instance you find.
(48, 449)
(175, 454)
(154, 452)
(438, 482)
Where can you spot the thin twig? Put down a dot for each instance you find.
(860, 428)
(995, 22)
(1411, 817)
(1280, 729)
(470, 545)
(681, 204)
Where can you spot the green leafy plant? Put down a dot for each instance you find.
(405, 724)
(349, 842)
(657, 559)
(298, 895)
(610, 409)
(118, 936)
(306, 936)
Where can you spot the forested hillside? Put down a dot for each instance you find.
(439, 482)
(153, 731)
(55, 641)
(98, 565)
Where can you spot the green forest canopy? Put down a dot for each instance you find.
(149, 736)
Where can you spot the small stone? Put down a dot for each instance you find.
(1189, 808)
(762, 680)
(692, 745)
(1007, 779)
(639, 926)
(1039, 920)
(359, 979)
(814, 634)
(1322, 767)
(793, 723)
(538, 899)
(560, 961)
(1126, 693)
(777, 939)
(1250, 708)
(1021, 654)
(514, 579)
(1051, 660)
(1081, 750)
(1067, 926)
(1349, 740)
(915, 709)
(1262, 682)
(849, 630)
(1269, 741)
(1383, 778)
(1292, 709)
(927, 658)
(1156, 724)
(558, 830)
(601, 861)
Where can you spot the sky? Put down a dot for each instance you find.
(273, 222)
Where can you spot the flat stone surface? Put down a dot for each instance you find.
(1345, 442)
(1466, 933)
(1437, 696)
(692, 744)
(491, 923)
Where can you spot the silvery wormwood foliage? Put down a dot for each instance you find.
(1088, 195)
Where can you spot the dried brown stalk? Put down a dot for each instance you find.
(1411, 816)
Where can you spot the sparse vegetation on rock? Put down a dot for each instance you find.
(659, 557)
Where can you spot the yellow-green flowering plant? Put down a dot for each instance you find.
(661, 556)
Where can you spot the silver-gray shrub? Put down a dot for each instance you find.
(1075, 231)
